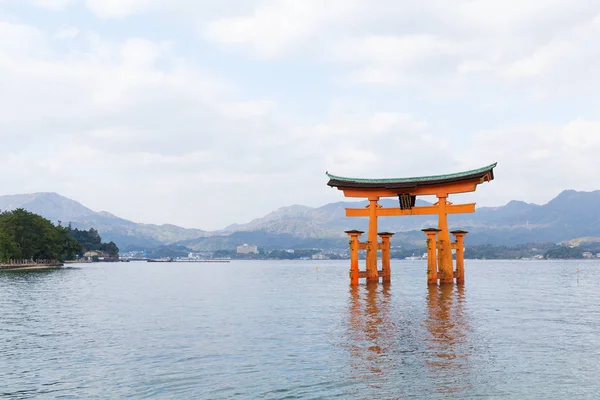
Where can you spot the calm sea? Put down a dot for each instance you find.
(296, 330)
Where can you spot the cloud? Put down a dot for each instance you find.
(118, 8)
(246, 109)
(114, 111)
(135, 115)
(187, 11)
(399, 51)
(490, 45)
(66, 33)
(438, 49)
(52, 4)
(131, 116)
(273, 27)
(400, 60)
(537, 161)
(20, 39)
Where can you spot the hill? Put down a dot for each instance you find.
(328, 221)
(124, 233)
(571, 214)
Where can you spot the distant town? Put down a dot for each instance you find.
(536, 251)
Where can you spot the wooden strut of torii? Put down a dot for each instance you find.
(439, 245)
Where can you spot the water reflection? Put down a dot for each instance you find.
(371, 333)
(391, 344)
(447, 347)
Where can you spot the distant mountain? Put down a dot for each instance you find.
(570, 215)
(51, 206)
(583, 241)
(328, 221)
(124, 233)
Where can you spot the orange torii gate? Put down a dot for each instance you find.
(439, 246)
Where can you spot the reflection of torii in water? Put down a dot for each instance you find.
(448, 348)
(371, 331)
(390, 348)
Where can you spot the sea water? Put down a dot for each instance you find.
(297, 330)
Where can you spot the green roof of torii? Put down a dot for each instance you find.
(396, 183)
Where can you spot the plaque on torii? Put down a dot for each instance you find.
(439, 246)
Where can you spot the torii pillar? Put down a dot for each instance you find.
(445, 270)
(372, 273)
(354, 247)
(385, 246)
(459, 245)
(432, 272)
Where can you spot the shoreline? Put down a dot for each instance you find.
(19, 267)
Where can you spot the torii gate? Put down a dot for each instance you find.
(439, 246)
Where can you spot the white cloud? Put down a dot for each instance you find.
(181, 125)
(274, 27)
(537, 161)
(538, 45)
(20, 39)
(52, 4)
(133, 116)
(114, 112)
(437, 49)
(66, 33)
(399, 51)
(246, 109)
(189, 11)
(118, 8)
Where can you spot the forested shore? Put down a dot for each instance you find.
(28, 236)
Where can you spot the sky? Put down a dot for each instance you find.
(204, 113)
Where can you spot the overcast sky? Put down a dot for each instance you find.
(204, 113)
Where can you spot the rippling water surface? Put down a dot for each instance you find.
(297, 330)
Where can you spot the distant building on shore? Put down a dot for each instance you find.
(320, 256)
(247, 249)
(96, 253)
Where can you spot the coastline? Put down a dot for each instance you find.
(32, 266)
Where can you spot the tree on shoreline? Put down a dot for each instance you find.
(90, 240)
(25, 235)
(564, 253)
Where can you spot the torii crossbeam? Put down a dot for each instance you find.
(407, 189)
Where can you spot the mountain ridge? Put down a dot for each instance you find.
(571, 214)
(125, 233)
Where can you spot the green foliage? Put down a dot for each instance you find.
(90, 240)
(8, 247)
(296, 255)
(24, 235)
(491, 252)
(564, 252)
(168, 252)
(110, 248)
(224, 254)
